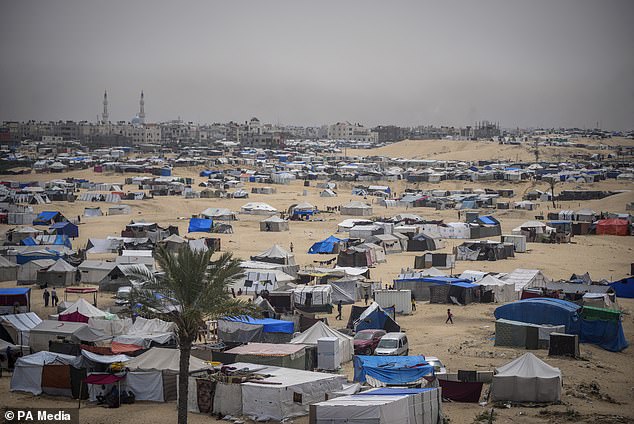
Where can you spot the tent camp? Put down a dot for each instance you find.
(527, 379)
(274, 223)
(16, 328)
(48, 330)
(153, 374)
(320, 330)
(45, 372)
(286, 392)
(81, 311)
(375, 317)
(381, 371)
(200, 225)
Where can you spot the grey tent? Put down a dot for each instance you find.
(527, 379)
(277, 255)
(274, 223)
(8, 270)
(60, 274)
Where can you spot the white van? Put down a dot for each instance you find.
(123, 295)
(392, 344)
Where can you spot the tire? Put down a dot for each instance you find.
(368, 351)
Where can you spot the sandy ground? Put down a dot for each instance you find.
(466, 345)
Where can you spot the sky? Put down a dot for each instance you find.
(537, 63)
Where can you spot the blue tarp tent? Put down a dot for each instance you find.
(624, 288)
(488, 220)
(543, 311)
(394, 370)
(376, 317)
(199, 225)
(606, 334)
(65, 228)
(325, 246)
(269, 325)
(47, 218)
(29, 241)
(166, 172)
(205, 173)
(465, 285)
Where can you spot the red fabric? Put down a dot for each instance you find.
(73, 317)
(100, 350)
(613, 227)
(117, 348)
(82, 290)
(461, 392)
(103, 378)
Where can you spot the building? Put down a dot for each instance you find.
(348, 131)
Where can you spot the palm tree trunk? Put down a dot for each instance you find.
(183, 380)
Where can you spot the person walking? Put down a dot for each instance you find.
(366, 297)
(413, 303)
(46, 295)
(54, 298)
(339, 310)
(291, 246)
(449, 317)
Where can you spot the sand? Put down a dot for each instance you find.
(466, 345)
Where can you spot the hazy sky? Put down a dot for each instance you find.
(522, 63)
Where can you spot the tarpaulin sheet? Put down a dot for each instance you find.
(391, 369)
(606, 334)
(624, 288)
(542, 311)
(270, 325)
(201, 225)
(124, 348)
(103, 378)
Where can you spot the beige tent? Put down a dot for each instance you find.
(274, 223)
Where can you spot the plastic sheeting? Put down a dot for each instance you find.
(239, 332)
(391, 369)
(542, 311)
(146, 385)
(606, 334)
(270, 325)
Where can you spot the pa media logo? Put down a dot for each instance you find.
(41, 415)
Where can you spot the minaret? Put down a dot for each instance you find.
(104, 115)
(142, 109)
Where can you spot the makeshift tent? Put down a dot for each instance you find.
(330, 245)
(380, 371)
(200, 225)
(16, 328)
(60, 274)
(48, 218)
(376, 317)
(274, 223)
(152, 374)
(27, 273)
(12, 296)
(320, 330)
(8, 270)
(81, 311)
(218, 214)
(624, 288)
(271, 354)
(33, 373)
(94, 272)
(65, 228)
(527, 379)
(47, 331)
(276, 254)
(526, 278)
(613, 227)
(602, 327)
(356, 208)
(269, 325)
(284, 393)
(96, 211)
(522, 334)
(503, 291)
(542, 311)
(120, 210)
(313, 298)
(258, 208)
(144, 332)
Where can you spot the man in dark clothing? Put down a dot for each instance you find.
(339, 310)
(413, 303)
(366, 297)
(46, 295)
(449, 317)
(54, 298)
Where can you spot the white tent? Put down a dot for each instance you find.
(504, 291)
(27, 376)
(527, 379)
(49, 330)
(319, 330)
(280, 398)
(93, 211)
(526, 278)
(258, 208)
(356, 208)
(19, 326)
(27, 273)
(366, 409)
(276, 254)
(84, 308)
(220, 214)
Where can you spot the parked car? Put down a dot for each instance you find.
(393, 344)
(439, 368)
(365, 341)
(123, 296)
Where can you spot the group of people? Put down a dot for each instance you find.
(52, 296)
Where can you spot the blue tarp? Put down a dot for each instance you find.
(380, 319)
(325, 246)
(199, 225)
(391, 369)
(465, 285)
(45, 218)
(14, 291)
(29, 241)
(543, 311)
(166, 172)
(270, 325)
(205, 173)
(606, 334)
(65, 228)
(624, 288)
(488, 220)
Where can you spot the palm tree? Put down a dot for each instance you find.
(192, 288)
